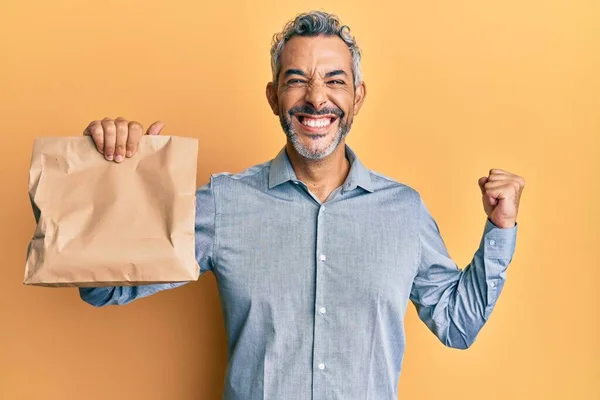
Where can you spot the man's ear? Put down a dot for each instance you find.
(271, 92)
(359, 96)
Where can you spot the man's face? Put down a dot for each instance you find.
(315, 97)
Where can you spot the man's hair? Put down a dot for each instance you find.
(314, 23)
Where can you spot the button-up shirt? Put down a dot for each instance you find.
(314, 294)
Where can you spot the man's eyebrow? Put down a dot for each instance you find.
(302, 73)
(335, 73)
(294, 72)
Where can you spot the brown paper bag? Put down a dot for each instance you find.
(100, 223)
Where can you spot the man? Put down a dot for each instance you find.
(315, 256)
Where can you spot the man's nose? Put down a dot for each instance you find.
(316, 95)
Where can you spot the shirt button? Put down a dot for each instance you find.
(321, 366)
(322, 257)
(492, 242)
(493, 284)
(322, 310)
(295, 183)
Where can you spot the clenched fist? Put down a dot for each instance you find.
(501, 194)
(119, 138)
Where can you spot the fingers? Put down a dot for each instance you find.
(481, 182)
(110, 138)
(494, 190)
(155, 128)
(498, 192)
(499, 171)
(500, 184)
(136, 131)
(509, 187)
(499, 174)
(94, 129)
(119, 138)
(496, 184)
(122, 132)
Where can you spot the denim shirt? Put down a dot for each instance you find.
(314, 294)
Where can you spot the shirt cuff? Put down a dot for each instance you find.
(498, 243)
(96, 296)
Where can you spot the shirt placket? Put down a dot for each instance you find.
(321, 364)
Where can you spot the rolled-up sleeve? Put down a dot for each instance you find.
(455, 303)
(204, 243)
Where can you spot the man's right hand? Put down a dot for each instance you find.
(119, 138)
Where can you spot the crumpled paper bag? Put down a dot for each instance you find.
(100, 223)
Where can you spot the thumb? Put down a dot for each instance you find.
(482, 181)
(155, 128)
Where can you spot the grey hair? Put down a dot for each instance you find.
(314, 23)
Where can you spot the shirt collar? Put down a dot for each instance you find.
(281, 171)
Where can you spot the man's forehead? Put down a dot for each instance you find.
(306, 52)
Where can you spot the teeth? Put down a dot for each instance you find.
(316, 122)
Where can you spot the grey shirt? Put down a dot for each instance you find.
(314, 294)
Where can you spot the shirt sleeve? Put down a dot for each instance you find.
(455, 303)
(204, 242)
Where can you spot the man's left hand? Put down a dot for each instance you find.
(501, 194)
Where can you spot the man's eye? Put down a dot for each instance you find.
(296, 82)
(336, 82)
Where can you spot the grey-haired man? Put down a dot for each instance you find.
(315, 256)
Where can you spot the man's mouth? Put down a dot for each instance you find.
(316, 122)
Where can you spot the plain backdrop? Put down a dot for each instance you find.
(454, 89)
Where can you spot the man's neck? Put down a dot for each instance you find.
(321, 176)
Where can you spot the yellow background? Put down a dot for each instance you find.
(454, 89)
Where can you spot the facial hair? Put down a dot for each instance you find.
(286, 124)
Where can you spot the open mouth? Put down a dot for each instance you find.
(316, 123)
